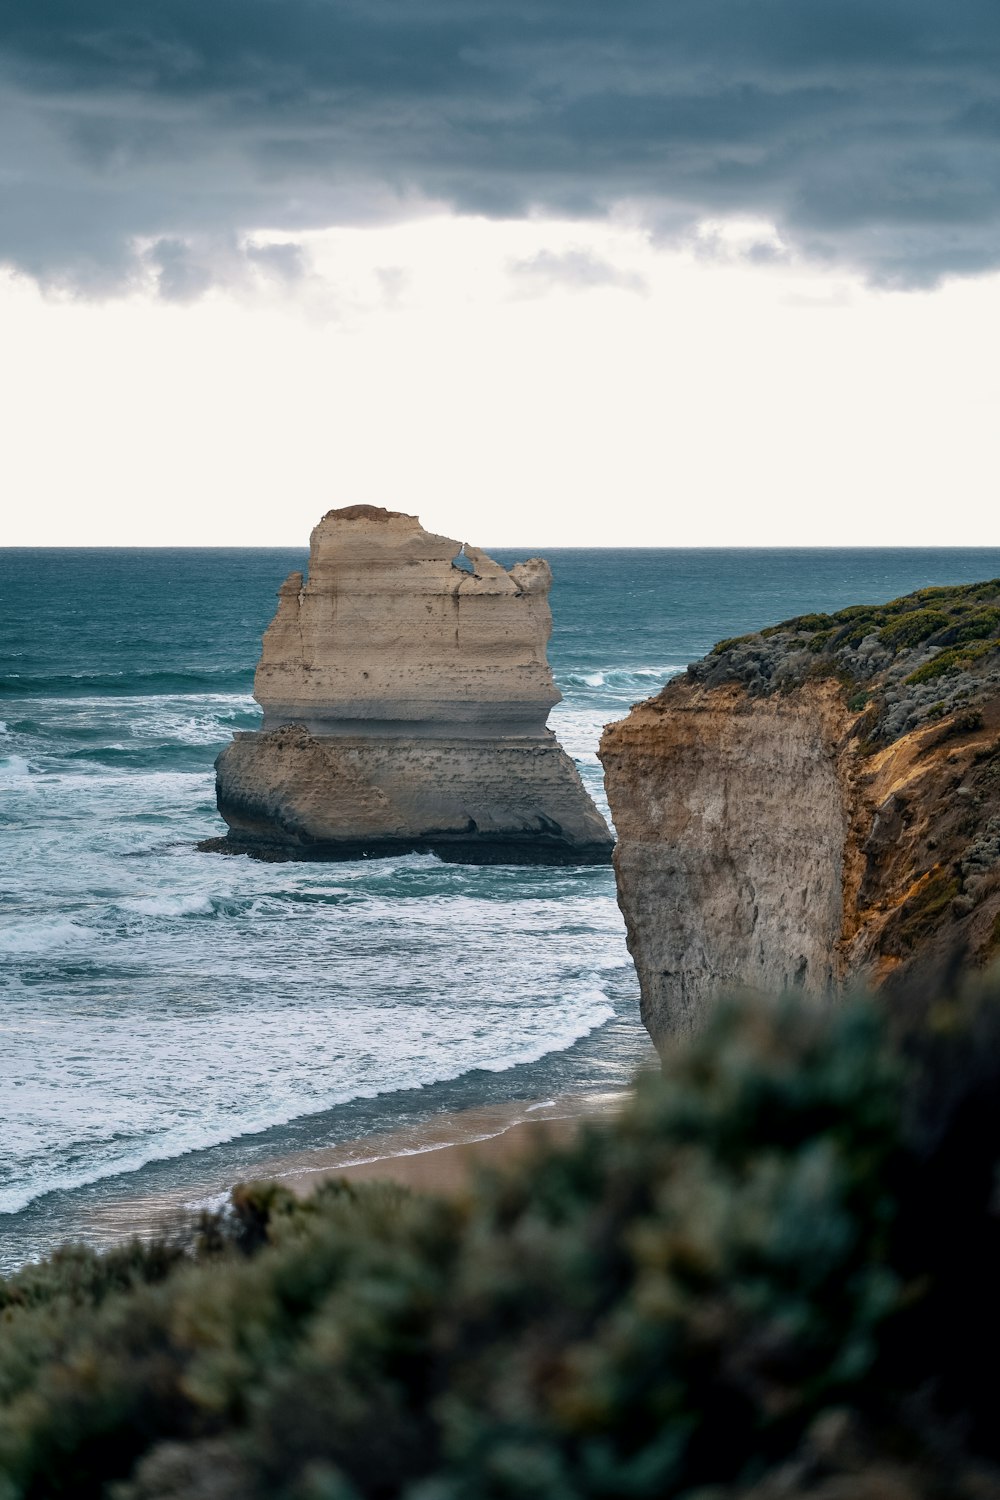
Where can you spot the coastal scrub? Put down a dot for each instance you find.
(763, 1280)
(885, 656)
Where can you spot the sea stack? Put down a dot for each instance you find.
(815, 807)
(405, 691)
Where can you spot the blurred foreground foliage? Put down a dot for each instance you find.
(776, 1276)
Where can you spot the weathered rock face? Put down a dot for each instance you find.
(792, 815)
(405, 691)
(389, 637)
(731, 824)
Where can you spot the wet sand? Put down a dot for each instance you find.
(441, 1155)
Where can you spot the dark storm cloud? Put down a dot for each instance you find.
(869, 132)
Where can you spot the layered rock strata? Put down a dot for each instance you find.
(814, 807)
(405, 691)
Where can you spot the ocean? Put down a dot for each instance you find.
(172, 1021)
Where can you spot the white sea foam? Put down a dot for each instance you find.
(14, 769)
(46, 934)
(620, 682)
(168, 905)
(201, 1098)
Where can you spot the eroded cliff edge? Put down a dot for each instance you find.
(405, 691)
(814, 806)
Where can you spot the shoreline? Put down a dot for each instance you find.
(439, 1155)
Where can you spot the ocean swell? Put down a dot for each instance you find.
(99, 1153)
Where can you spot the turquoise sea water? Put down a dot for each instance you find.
(170, 1019)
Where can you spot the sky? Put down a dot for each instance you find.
(566, 272)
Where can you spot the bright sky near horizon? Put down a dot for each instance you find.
(686, 274)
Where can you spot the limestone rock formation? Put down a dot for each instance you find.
(405, 691)
(815, 806)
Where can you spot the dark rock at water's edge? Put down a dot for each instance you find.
(287, 793)
(470, 848)
(290, 795)
(814, 806)
(405, 691)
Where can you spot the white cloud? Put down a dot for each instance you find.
(730, 405)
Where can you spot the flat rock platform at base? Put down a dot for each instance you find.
(289, 794)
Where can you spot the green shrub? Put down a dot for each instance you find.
(794, 1223)
(820, 641)
(952, 659)
(863, 614)
(912, 628)
(979, 625)
(949, 660)
(810, 622)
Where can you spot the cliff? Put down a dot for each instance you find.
(815, 806)
(405, 691)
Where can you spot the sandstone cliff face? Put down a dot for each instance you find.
(793, 814)
(388, 635)
(405, 691)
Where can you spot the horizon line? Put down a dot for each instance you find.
(521, 547)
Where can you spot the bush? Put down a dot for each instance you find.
(952, 659)
(982, 624)
(912, 628)
(793, 1230)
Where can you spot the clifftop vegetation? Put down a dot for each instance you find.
(942, 616)
(766, 1281)
(917, 658)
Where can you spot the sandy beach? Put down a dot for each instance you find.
(444, 1153)
(441, 1155)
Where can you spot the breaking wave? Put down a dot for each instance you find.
(103, 1149)
(621, 681)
